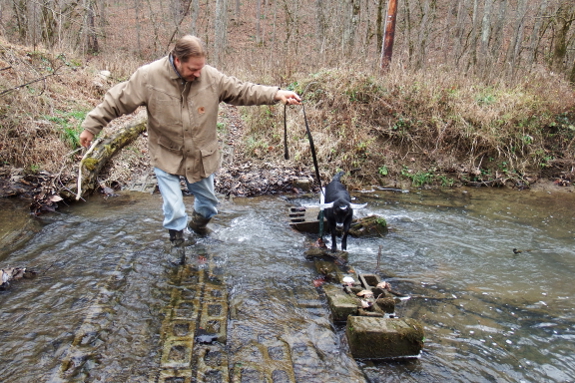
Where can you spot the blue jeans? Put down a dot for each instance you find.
(175, 216)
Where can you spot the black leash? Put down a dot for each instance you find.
(286, 150)
(310, 138)
(313, 155)
(312, 147)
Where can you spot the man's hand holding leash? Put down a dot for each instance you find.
(287, 97)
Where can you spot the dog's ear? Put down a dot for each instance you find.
(326, 205)
(357, 206)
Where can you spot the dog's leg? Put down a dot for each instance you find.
(344, 241)
(333, 239)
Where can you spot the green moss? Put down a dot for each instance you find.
(90, 163)
(381, 222)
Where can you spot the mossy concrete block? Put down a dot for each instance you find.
(341, 304)
(386, 304)
(379, 338)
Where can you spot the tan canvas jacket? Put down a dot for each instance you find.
(182, 116)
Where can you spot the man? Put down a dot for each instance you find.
(182, 95)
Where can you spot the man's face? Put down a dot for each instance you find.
(191, 69)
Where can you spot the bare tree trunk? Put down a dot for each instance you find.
(351, 27)
(321, 27)
(460, 32)
(498, 31)
(264, 17)
(34, 25)
(220, 30)
(445, 46)
(517, 39)
(535, 36)
(207, 29)
(365, 21)
(175, 7)
(155, 26)
(474, 35)
(21, 15)
(296, 26)
(425, 28)
(258, 21)
(103, 8)
(409, 30)
(389, 39)
(288, 26)
(564, 19)
(485, 60)
(195, 14)
(138, 27)
(274, 33)
(379, 25)
(92, 34)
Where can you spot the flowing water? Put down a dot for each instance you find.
(107, 283)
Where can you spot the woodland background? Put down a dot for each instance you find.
(491, 38)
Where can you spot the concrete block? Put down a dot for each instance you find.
(369, 280)
(341, 304)
(386, 304)
(379, 338)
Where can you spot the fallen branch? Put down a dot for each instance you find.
(31, 82)
(79, 181)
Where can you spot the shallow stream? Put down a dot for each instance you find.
(106, 277)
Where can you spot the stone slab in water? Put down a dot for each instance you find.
(380, 338)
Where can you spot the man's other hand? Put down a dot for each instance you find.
(86, 138)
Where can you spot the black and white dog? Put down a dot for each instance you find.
(338, 211)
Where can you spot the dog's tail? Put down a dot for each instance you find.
(338, 176)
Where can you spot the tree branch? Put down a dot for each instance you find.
(31, 82)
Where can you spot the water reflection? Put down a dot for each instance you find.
(489, 314)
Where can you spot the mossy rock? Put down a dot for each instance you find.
(370, 226)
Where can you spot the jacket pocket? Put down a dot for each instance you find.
(210, 159)
(169, 145)
(165, 109)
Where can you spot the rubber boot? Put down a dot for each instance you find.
(199, 224)
(178, 238)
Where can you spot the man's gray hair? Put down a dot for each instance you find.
(188, 46)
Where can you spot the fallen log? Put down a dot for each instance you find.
(98, 156)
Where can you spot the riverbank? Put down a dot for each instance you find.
(242, 174)
(425, 129)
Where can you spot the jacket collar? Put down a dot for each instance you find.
(175, 75)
